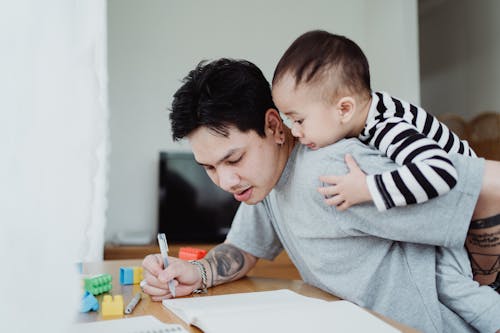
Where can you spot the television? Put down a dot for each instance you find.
(191, 208)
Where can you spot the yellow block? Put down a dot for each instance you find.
(137, 274)
(112, 307)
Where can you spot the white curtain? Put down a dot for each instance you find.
(53, 148)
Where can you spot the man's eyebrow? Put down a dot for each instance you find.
(229, 153)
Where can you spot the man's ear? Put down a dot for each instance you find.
(346, 107)
(274, 125)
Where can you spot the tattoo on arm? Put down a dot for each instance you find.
(226, 263)
(483, 245)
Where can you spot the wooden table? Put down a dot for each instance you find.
(280, 267)
(248, 284)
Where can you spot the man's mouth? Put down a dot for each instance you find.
(243, 195)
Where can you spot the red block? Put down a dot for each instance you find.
(191, 253)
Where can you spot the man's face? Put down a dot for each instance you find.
(243, 164)
(313, 121)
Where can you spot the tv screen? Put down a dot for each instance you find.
(191, 207)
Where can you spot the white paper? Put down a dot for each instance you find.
(188, 309)
(274, 311)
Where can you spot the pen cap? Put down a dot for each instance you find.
(162, 241)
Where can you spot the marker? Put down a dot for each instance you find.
(131, 306)
(162, 241)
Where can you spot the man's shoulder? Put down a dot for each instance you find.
(346, 146)
(314, 159)
(331, 159)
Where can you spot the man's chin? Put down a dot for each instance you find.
(253, 201)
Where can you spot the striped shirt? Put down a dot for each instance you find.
(419, 143)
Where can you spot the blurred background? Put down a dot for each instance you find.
(153, 45)
(440, 54)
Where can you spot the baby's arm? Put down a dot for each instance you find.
(425, 173)
(346, 190)
(426, 170)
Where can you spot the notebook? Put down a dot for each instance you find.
(141, 324)
(274, 311)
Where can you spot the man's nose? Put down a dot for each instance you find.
(296, 131)
(228, 179)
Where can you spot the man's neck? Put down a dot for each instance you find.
(290, 142)
(361, 116)
(286, 148)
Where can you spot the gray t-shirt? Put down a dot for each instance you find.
(384, 261)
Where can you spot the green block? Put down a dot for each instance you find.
(98, 284)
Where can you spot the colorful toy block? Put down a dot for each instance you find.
(89, 303)
(126, 275)
(131, 275)
(138, 274)
(112, 306)
(191, 253)
(98, 284)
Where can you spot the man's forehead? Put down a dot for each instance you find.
(210, 147)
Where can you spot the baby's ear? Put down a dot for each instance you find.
(346, 107)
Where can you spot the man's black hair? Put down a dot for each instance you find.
(219, 95)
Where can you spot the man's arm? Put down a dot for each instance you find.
(478, 305)
(225, 263)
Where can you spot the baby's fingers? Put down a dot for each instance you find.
(329, 179)
(343, 206)
(351, 163)
(334, 201)
(328, 191)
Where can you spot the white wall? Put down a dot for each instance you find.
(153, 44)
(459, 49)
(53, 125)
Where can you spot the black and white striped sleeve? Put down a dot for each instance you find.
(425, 173)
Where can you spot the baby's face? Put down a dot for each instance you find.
(315, 122)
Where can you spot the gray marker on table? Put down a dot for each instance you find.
(131, 306)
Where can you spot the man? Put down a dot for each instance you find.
(381, 261)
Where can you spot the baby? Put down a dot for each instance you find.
(322, 84)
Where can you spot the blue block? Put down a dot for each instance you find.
(126, 275)
(89, 303)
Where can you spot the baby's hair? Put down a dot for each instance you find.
(334, 62)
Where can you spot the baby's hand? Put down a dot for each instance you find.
(347, 190)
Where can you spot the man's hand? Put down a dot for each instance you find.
(347, 190)
(185, 275)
